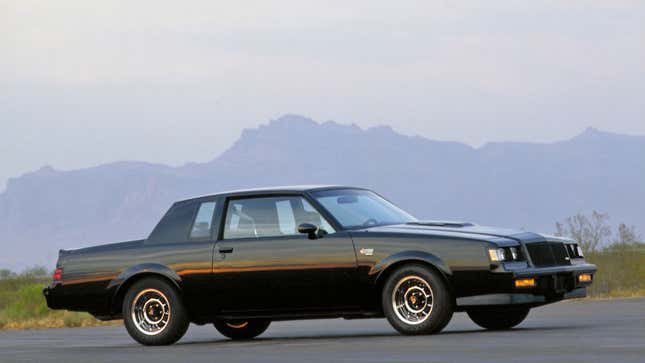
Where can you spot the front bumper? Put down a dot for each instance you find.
(518, 298)
(551, 284)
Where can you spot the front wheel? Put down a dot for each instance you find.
(416, 300)
(495, 318)
(241, 329)
(153, 312)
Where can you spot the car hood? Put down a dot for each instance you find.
(465, 230)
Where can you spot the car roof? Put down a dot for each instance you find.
(271, 190)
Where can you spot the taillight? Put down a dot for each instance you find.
(58, 274)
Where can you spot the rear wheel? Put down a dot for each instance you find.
(153, 312)
(416, 300)
(241, 329)
(498, 318)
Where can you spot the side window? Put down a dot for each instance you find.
(252, 218)
(202, 226)
(270, 217)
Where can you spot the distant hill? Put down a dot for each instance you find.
(522, 185)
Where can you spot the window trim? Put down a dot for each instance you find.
(304, 195)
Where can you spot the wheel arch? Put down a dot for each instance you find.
(119, 286)
(387, 266)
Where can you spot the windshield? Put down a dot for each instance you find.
(354, 208)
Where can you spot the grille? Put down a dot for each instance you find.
(548, 254)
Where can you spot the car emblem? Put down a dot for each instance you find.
(366, 251)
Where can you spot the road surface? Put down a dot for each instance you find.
(578, 331)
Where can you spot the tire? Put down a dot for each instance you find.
(154, 313)
(421, 292)
(241, 329)
(498, 318)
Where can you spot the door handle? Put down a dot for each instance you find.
(226, 250)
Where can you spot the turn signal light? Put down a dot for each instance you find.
(58, 274)
(584, 278)
(525, 282)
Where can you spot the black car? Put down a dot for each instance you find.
(242, 259)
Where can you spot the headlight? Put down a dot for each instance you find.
(514, 253)
(497, 254)
(504, 254)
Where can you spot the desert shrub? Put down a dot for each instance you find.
(28, 302)
(621, 272)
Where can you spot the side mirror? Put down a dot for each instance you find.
(309, 229)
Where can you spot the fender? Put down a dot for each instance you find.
(377, 272)
(114, 287)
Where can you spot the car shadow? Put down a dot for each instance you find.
(393, 334)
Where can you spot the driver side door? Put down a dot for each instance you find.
(266, 265)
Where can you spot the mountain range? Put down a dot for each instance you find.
(511, 184)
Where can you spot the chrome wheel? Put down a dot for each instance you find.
(150, 311)
(412, 300)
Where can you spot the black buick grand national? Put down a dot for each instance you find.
(242, 259)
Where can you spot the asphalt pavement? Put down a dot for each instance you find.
(577, 331)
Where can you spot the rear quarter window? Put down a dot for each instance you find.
(203, 224)
(175, 225)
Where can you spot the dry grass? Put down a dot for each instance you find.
(66, 320)
(619, 294)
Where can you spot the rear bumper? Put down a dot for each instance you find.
(53, 296)
(552, 284)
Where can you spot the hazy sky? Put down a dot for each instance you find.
(86, 82)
